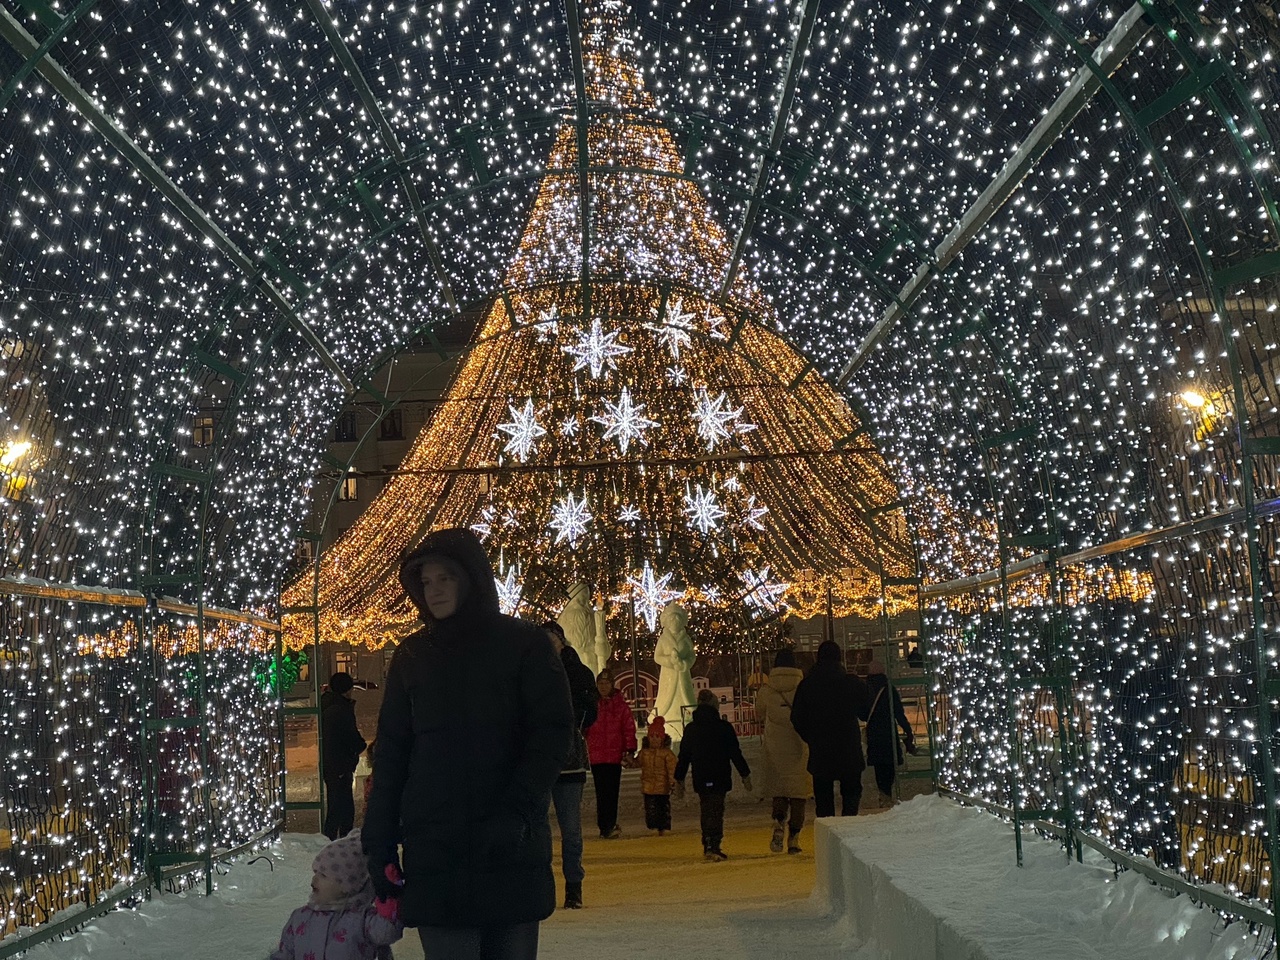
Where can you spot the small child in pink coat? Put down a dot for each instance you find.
(341, 920)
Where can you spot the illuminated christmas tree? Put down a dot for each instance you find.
(636, 426)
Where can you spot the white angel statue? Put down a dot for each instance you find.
(579, 625)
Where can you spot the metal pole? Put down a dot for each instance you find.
(635, 666)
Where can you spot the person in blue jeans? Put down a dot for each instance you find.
(566, 793)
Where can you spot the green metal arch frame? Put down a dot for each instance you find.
(316, 285)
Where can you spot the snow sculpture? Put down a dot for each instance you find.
(579, 625)
(674, 655)
(604, 650)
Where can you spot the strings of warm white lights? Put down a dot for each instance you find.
(1042, 396)
(600, 460)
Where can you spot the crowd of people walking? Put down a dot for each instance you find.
(488, 723)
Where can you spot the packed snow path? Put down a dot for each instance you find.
(647, 898)
(931, 880)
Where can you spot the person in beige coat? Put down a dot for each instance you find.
(785, 755)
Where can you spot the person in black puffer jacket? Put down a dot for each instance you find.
(825, 711)
(709, 745)
(475, 727)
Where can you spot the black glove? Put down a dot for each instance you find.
(383, 887)
(501, 836)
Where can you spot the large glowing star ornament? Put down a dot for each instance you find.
(651, 594)
(524, 431)
(569, 519)
(624, 421)
(596, 350)
(676, 331)
(715, 418)
(763, 593)
(752, 512)
(703, 509)
(510, 590)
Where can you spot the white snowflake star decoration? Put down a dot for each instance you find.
(714, 417)
(509, 592)
(762, 593)
(524, 431)
(676, 330)
(703, 509)
(714, 321)
(751, 514)
(569, 519)
(570, 427)
(711, 594)
(628, 513)
(548, 324)
(676, 376)
(596, 350)
(651, 594)
(484, 526)
(625, 421)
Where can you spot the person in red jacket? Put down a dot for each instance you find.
(611, 742)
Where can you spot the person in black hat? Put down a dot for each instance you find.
(340, 749)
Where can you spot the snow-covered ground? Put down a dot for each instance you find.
(933, 879)
(654, 898)
(647, 898)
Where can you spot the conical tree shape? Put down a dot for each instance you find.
(668, 439)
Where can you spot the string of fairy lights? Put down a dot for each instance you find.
(653, 378)
(1064, 386)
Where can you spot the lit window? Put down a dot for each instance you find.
(344, 661)
(202, 432)
(350, 488)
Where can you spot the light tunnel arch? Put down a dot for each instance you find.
(1224, 275)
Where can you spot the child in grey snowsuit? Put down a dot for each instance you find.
(341, 920)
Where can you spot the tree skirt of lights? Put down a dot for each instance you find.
(932, 880)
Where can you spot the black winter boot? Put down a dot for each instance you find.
(793, 842)
(573, 896)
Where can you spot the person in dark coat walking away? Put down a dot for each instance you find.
(475, 728)
(825, 711)
(340, 749)
(566, 794)
(884, 751)
(709, 746)
(611, 743)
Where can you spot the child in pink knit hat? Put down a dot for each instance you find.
(341, 919)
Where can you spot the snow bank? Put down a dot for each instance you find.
(241, 921)
(931, 880)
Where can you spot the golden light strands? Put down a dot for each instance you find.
(611, 468)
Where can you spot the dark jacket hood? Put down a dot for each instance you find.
(465, 549)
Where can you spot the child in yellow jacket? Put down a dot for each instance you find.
(657, 776)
